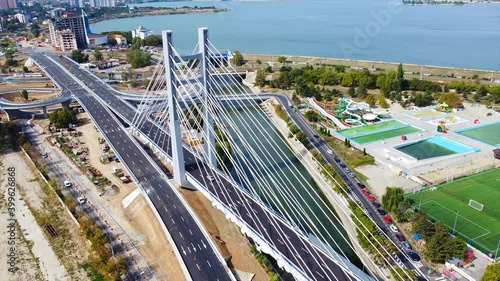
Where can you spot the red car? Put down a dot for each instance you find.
(366, 192)
(387, 219)
(371, 198)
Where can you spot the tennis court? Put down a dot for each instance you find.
(488, 133)
(449, 203)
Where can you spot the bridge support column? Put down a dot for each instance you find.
(65, 104)
(208, 121)
(45, 113)
(174, 122)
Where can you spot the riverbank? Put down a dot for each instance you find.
(338, 202)
(427, 70)
(153, 11)
(444, 2)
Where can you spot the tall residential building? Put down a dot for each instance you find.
(102, 3)
(8, 4)
(76, 24)
(67, 40)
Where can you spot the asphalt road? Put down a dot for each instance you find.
(198, 255)
(294, 246)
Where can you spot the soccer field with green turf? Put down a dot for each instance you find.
(449, 203)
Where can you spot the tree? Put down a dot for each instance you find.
(351, 92)
(153, 40)
(382, 102)
(451, 99)
(62, 117)
(138, 58)
(260, 78)
(394, 201)
(25, 69)
(400, 77)
(302, 137)
(282, 60)
(25, 94)
(492, 272)
(481, 91)
(35, 29)
(112, 41)
(422, 225)
(361, 91)
(79, 57)
(238, 58)
(370, 100)
(97, 54)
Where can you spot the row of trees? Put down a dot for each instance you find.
(138, 58)
(79, 57)
(61, 118)
(440, 246)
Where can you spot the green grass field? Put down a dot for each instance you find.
(366, 129)
(479, 228)
(386, 134)
(489, 134)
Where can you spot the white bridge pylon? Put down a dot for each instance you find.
(192, 127)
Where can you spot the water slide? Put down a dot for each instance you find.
(326, 114)
(352, 114)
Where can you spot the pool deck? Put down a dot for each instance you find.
(387, 155)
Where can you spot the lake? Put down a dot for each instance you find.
(456, 36)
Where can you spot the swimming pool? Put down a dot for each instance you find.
(435, 146)
(487, 133)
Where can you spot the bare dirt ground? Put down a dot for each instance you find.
(32, 97)
(21, 86)
(137, 219)
(38, 261)
(230, 242)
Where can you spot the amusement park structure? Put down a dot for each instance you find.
(345, 113)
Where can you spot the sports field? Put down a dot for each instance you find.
(479, 228)
(489, 133)
(371, 128)
(386, 134)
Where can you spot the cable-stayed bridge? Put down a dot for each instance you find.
(193, 111)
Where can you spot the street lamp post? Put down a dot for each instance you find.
(454, 225)
(496, 251)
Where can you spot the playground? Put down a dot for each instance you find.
(346, 113)
(468, 207)
(487, 133)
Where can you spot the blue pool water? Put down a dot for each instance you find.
(435, 146)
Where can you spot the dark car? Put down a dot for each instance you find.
(381, 212)
(400, 237)
(342, 165)
(337, 159)
(414, 256)
(361, 185)
(316, 136)
(376, 204)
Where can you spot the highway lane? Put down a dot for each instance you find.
(314, 262)
(198, 255)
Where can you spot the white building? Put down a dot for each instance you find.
(102, 3)
(120, 40)
(141, 32)
(22, 18)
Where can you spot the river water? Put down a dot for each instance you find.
(385, 30)
(299, 191)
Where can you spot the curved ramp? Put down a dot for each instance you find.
(325, 113)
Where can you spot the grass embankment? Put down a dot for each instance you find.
(100, 265)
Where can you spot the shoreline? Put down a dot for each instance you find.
(353, 63)
(160, 12)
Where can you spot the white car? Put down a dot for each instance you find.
(81, 200)
(67, 183)
(393, 228)
(329, 151)
(210, 178)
